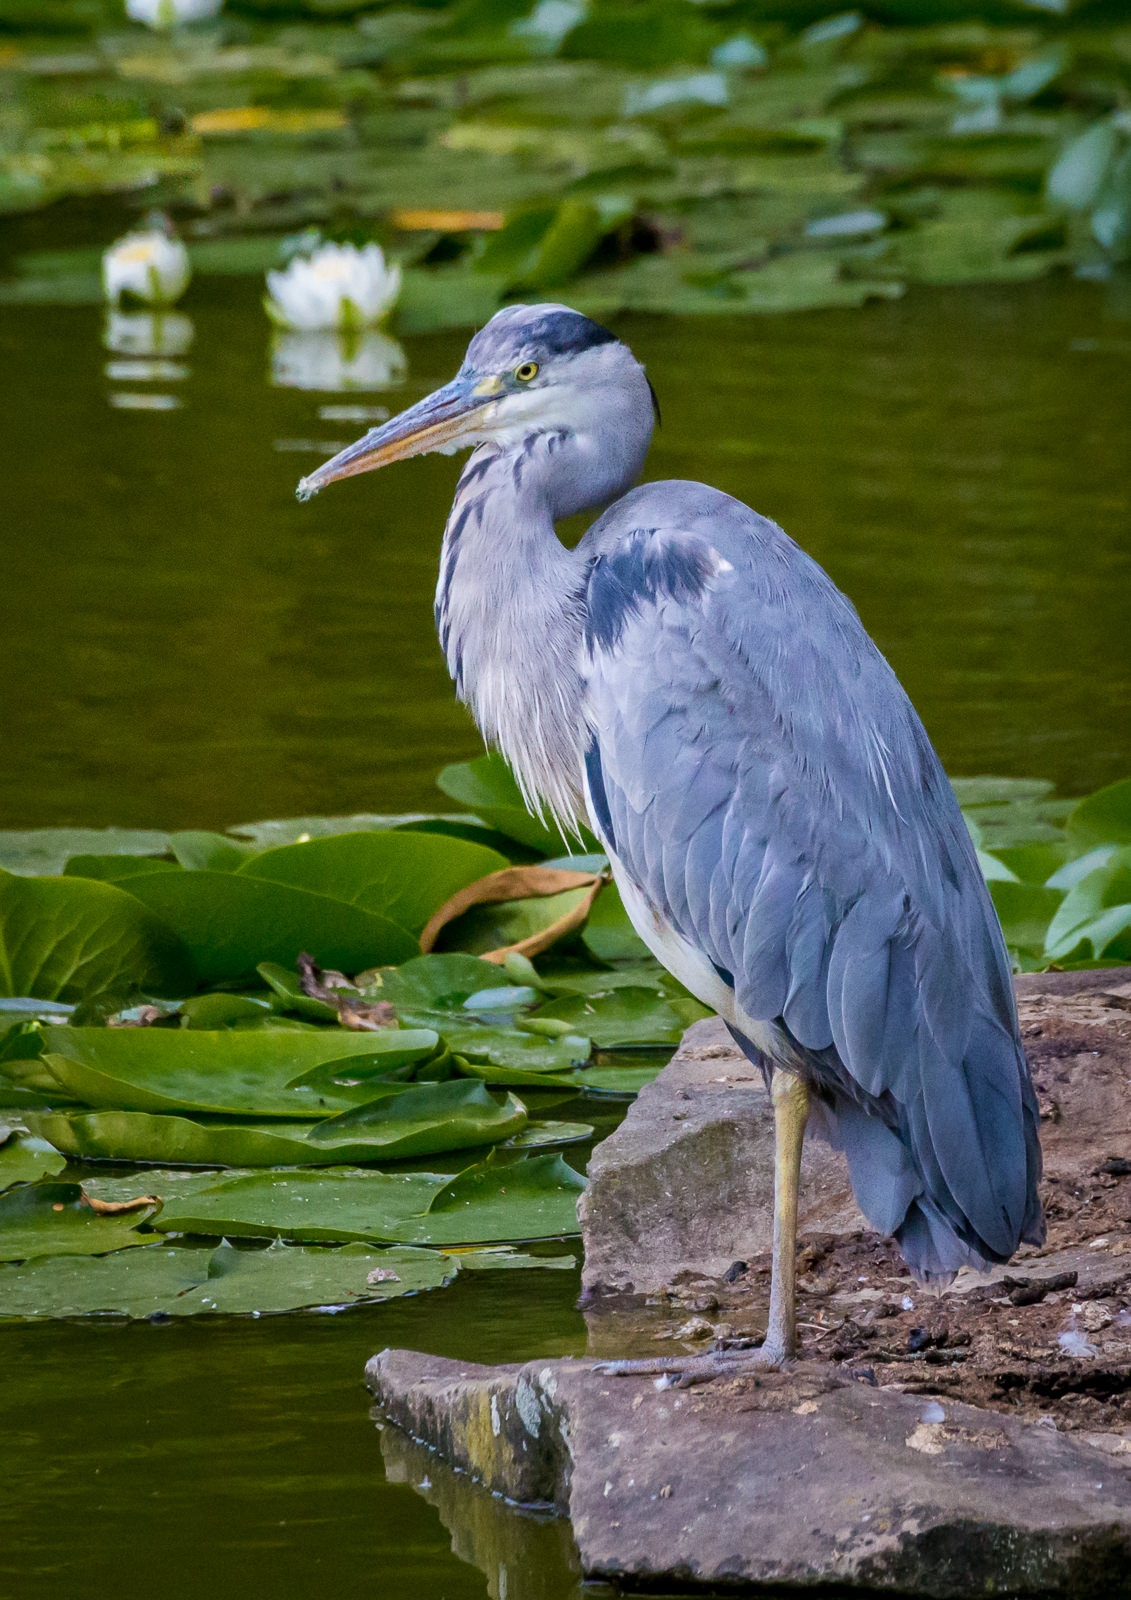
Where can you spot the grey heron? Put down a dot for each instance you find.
(778, 824)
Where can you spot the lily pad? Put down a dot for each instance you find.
(1025, 911)
(531, 1198)
(402, 876)
(624, 1016)
(1096, 909)
(318, 1207)
(487, 787)
(24, 1158)
(427, 1118)
(178, 1281)
(507, 1198)
(233, 1073)
(66, 938)
(429, 992)
(54, 1219)
(41, 852)
(230, 922)
(1104, 817)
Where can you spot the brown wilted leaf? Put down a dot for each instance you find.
(119, 1208)
(353, 1012)
(519, 883)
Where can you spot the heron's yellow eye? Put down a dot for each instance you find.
(528, 370)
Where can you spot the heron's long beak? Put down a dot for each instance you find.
(438, 421)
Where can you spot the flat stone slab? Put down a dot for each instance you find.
(808, 1479)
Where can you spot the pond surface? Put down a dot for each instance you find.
(186, 646)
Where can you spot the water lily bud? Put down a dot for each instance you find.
(150, 265)
(337, 286)
(167, 13)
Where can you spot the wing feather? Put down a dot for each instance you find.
(772, 795)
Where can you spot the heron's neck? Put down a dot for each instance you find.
(509, 612)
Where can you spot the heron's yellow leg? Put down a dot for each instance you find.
(791, 1112)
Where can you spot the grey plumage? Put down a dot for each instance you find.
(781, 830)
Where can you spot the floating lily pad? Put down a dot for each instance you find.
(430, 991)
(508, 1198)
(49, 1218)
(24, 1158)
(1104, 817)
(532, 1198)
(66, 938)
(402, 876)
(319, 1207)
(178, 1281)
(41, 852)
(250, 1074)
(230, 922)
(487, 787)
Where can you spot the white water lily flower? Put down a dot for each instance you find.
(148, 333)
(150, 265)
(332, 362)
(167, 13)
(337, 286)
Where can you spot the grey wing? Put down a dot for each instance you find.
(764, 782)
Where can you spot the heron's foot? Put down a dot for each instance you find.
(682, 1372)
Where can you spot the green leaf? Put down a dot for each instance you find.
(42, 852)
(211, 1012)
(998, 791)
(487, 787)
(497, 1198)
(288, 989)
(1096, 909)
(183, 1141)
(1077, 177)
(24, 1158)
(55, 1219)
(1103, 818)
(114, 869)
(537, 1134)
(429, 993)
(402, 876)
(208, 852)
(65, 938)
(624, 1016)
(502, 1198)
(317, 1207)
(249, 1074)
(1025, 911)
(230, 922)
(427, 1118)
(608, 934)
(178, 1281)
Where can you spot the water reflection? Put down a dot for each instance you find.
(335, 361)
(523, 1554)
(148, 333)
(146, 343)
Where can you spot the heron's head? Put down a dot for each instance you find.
(532, 370)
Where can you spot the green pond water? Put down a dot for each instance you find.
(186, 646)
